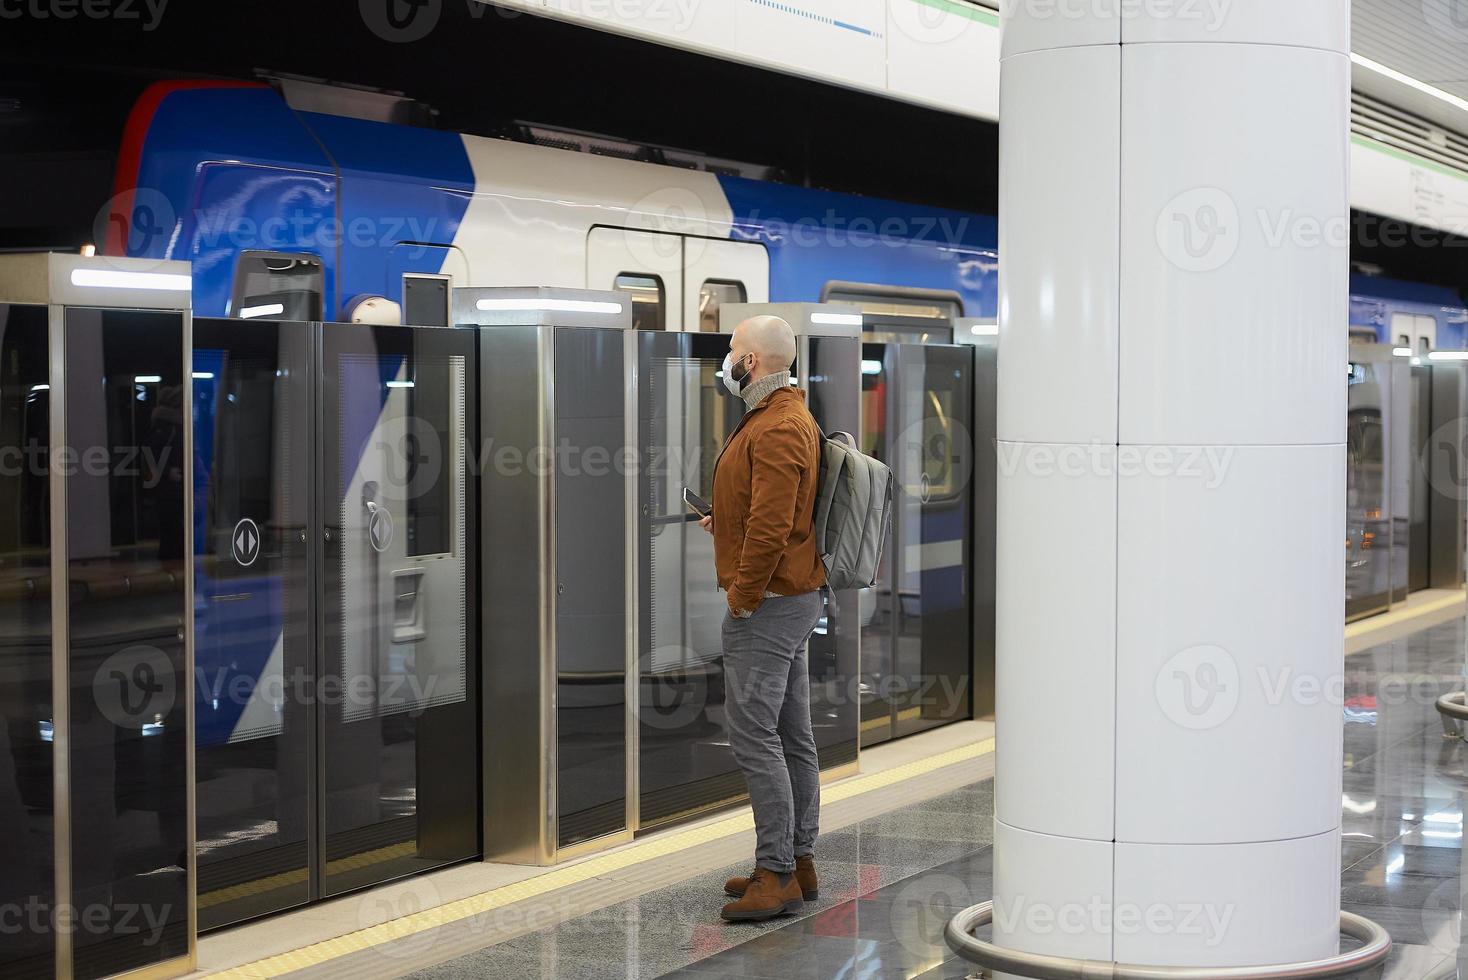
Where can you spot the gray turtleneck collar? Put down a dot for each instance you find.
(763, 388)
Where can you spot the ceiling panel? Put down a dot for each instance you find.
(1427, 39)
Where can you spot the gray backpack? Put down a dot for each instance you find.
(853, 512)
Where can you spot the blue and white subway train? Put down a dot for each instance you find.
(276, 206)
(293, 214)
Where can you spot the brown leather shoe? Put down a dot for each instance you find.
(805, 873)
(765, 898)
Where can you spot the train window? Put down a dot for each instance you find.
(900, 313)
(277, 285)
(713, 294)
(648, 299)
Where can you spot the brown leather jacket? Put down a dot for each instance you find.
(764, 503)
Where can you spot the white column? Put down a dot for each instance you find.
(1172, 232)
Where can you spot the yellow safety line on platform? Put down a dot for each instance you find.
(636, 853)
(1405, 613)
(259, 886)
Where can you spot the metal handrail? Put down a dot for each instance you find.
(1376, 944)
(1453, 705)
(1453, 709)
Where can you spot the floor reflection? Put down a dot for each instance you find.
(890, 883)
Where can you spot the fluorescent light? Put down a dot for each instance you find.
(1410, 82)
(119, 279)
(203, 375)
(837, 319)
(547, 306)
(268, 309)
(400, 384)
(148, 379)
(1448, 355)
(1402, 351)
(986, 329)
(871, 367)
(40, 387)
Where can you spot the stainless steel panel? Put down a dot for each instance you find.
(1368, 481)
(1399, 445)
(514, 524)
(985, 480)
(1447, 473)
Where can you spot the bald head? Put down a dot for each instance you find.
(769, 339)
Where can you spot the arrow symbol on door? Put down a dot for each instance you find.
(245, 542)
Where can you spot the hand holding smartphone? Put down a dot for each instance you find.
(696, 504)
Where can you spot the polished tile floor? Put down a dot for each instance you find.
(890, 883)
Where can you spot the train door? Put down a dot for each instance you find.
(917, 416)
(1414, 330)
(676, 282)
(1419, 574)
(684, 416)
(1368, 517)
(252, 477)
(337, 713)
(646, 265)
(716, 272)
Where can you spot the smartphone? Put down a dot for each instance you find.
(696, 503)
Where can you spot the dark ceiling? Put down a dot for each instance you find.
(68, 85)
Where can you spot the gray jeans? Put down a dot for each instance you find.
(767, 701)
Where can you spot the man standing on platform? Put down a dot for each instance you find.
(765, 554)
